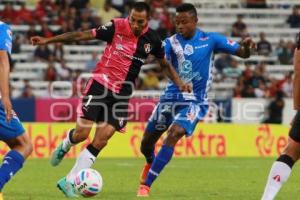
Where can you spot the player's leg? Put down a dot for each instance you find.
(73, 137)
(90, 108)
(184, 124)
(282, 167)
(157, 125)
(87, 156)
(13, 134)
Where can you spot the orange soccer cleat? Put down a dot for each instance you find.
(144, 173)
(143, 191)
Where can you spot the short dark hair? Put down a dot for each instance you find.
(187, 7)
(140, 7)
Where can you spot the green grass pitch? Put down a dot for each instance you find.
(184, 179)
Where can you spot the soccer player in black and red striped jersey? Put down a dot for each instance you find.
(105, 101)
(282, 167)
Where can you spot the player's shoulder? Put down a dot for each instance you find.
(4, 26)
(153, 35)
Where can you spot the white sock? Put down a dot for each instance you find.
(279, 174)
(67, 144)
(85, 160)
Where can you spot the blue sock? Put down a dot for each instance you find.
(12, 162)
(163, 157)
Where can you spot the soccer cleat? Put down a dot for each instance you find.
(67, 188)
(143, 191)
(1, 196)
(58, 155)
(144, 173)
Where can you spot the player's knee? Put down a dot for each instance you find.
(146, 149)
(25, 144)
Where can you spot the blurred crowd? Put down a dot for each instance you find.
(70, 15)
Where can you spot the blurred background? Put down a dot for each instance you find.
(39, 73)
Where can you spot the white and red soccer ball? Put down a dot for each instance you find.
(88, 182)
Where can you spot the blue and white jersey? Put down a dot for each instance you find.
(193, 61)
(5, 37)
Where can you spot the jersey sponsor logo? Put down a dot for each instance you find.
(231, 42)
(188, 49)
(147, 48)
(119, 46)
(201, 46)
(203, 38)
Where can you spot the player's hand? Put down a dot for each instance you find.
(186, 88)
(37, 40)
(7, 108)
(248, 42)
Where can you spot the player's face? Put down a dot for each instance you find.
(186, 24)
(138, 21)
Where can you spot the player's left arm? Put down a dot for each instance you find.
(159, 52)
(172, 74)
(225, 45)
(246, 45)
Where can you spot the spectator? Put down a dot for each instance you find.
(8, 14)
(119, 5)
(264, 47)
(24, 15)
(42, 53)
(27, 91)
(222, 62)
(91, 64)
(16, 46)
(45, 30)
(85, 17)
(294, 19)
(239, 28)
(287, 86)
(63, 71)
(285, 53)
(108, 12)
(275, 109)
(233, 71)
(31, 32)
(256, 4)
(50, 74)
(58, 52)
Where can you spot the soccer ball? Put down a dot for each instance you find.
(88, 182)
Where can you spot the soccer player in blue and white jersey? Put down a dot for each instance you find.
(11, 129)
(191, 52)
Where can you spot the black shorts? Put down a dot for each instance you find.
(295, 130)
(100, 104)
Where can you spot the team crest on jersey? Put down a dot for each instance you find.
(231, 42)
(147, 47)
(9, 33)
(188, 49)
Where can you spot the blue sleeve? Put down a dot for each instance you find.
(224, 45)
(168, 48)
(5, 39)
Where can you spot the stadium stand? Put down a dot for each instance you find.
(271, 20)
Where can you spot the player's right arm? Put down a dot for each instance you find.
(104, 33)
(296, 81)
